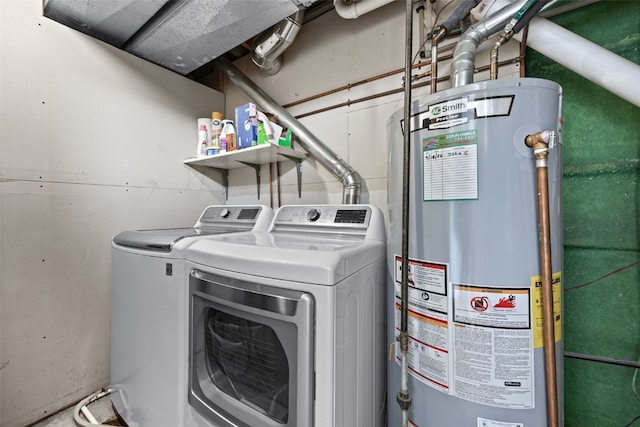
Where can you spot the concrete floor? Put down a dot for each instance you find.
(101, 410)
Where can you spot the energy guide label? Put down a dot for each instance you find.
(450, 166)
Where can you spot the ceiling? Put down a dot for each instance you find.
(184, 36)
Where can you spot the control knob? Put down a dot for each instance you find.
(313, 215)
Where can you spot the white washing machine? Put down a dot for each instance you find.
(287, 326)
(149, 302)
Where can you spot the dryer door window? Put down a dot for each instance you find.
(246, 361)
(251, 353)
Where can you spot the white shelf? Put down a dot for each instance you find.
(251, 157)
(256, 155)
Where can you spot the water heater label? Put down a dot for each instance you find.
(536, 296)
(450, 166)
(484, 422)
(448, 114)
(460, 111)
(493, 346)
(427, 321)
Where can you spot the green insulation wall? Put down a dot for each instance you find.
(601, 223)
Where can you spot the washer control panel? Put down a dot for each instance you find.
(214, 215)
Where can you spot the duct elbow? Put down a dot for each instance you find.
(351, 183)
(464, 58)
(269, 46)
(271, 66)
(464, 55)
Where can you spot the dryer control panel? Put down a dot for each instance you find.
(324, 216)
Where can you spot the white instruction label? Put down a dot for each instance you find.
(493, 346)
(483, 422)
(427, 322)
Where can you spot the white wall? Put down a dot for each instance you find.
(91, 143)
(328, 53)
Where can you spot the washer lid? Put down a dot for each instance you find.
(322, 260)
(215, 219)
(162, 240)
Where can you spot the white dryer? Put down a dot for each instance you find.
(149, 302)
(287, 327)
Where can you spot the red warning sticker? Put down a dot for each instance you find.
(492, 306)
(480, 303)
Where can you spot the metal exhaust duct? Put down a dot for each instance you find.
(464, 55)
(269, 46)
(351, 180)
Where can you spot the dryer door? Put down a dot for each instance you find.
(251, 353)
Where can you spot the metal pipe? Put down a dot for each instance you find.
(493, 64)
(602, 359)
(459, 13)
(350, 179)
(349, 86)
(464, 55)
(504, 37)
(398, 90)
(269, 46)
(434, 66)
(540, 143)
(518, 21)
(422, 36)
(404, 396)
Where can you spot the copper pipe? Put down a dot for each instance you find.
(493, 74)
(392, 91)
(523, 50)
(540, 144)
(371, 79)
(504, 37)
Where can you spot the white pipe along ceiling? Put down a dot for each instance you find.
(604, 68)
(352, 9)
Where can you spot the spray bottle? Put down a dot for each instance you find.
(201, 151)
(229, 135)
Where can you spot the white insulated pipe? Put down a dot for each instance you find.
(88, 415)
(82, 407)
(595, 63)
(352, 9)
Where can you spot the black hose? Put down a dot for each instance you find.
(459, 14)
(529, 14)
(601, 359)
(632, 421)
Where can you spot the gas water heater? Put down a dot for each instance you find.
(476, 355)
